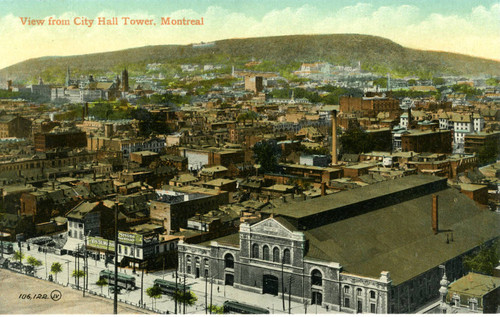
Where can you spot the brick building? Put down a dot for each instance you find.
(426, 141)
(175, 206)
(67, 138)
(14, 127)
(369, 106)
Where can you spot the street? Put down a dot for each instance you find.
(218, 295)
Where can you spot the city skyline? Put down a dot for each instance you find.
(425, 25)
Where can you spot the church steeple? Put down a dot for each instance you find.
(125, 87)
(68, 77)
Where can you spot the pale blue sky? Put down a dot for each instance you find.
(462, 26)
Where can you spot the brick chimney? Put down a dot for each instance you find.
(334, 137)
(323, 189)
(435, 226)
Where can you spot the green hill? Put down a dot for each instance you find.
(279, 53)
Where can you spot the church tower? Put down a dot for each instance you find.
(125, 87)
(68, 79)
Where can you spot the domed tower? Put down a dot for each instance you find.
(125, 87)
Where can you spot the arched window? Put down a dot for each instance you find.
(188, 258)
(286, 256)
(255, 251)
(206, 263)
(346, 289)
(359, 291)
(276, 254)
(316, 278)
(229, 261)
(265, 253)
(372, 294)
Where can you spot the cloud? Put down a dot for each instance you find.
(476, 33)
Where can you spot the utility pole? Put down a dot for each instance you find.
(85, 277)
(211, 291)
(283, 282)
(184, 295)
(290, 294)
(206, 295)
(142, 286)
(115, 299)
(176, 290)
(78, 267)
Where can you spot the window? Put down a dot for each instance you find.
(188, 269)
(255, 251)
(188, 259)
(347, 303)
(229, 261)
(265, 253)
(316, 278)
(286, 257)
(346, 289)
(206, 263)
(372, 308)
(372, 294)
(359, 291)
(276, 254)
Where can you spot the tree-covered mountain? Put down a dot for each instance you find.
(278, 53)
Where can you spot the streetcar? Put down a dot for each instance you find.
(124, 280)
(168, 287)
(233, 307)
(6, 247)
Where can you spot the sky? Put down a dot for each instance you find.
(460, 26)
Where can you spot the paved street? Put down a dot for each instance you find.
(218, 296)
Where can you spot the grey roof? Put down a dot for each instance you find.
(399, 238)
(346, 198)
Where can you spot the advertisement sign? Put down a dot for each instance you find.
(101, 244)
(130, 238)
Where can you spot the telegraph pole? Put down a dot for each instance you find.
(290, 294)
(206, 295)
(176, 290)
(142, 285)
(184, 295)
(211, 290)
(115, 299)
(283, 282)
(85, 277)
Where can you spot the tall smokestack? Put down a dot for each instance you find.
(435, 226)
(334, 137)
(408, 125)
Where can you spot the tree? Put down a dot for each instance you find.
(484, 260)
(56, 268)
(33, 261)
(18, 256)
(214, 309)
(492, 82)
(355, 140)
(267, 154)
(154, 292)
(438, 81)
(489, 152)
(101, 282)
(77, 274)
(188, 298)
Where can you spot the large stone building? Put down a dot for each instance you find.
(14, 127)
(60, 138)
(374, 249)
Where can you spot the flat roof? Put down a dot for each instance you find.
(399, 238)
(345, 198)
(475, 285)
